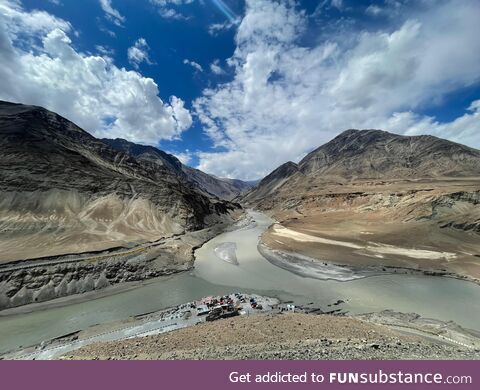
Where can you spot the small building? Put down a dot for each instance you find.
(202, 310)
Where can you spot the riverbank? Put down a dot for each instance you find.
(280, 336)
(294, 335)
(211, 308)
(97, 274)
(309, 267)
(351, 245)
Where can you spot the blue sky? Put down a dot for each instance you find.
(238, 87)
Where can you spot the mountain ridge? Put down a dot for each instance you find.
(210, 185)
(371, 155)
(64, 191)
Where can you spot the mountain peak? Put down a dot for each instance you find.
(377, 153)
(372, 154)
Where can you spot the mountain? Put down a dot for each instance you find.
(359, 155)
(356, 154)
(64, 191)
(371, 202)
(147, 154)
(210, 185)
(270, 183)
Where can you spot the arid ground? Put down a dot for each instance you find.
(425, 225)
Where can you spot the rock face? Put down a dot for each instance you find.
(59, 276)
(64, 191)
(207, 184)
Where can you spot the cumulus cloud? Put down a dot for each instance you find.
(138, 53)
(28, 24)
(287, 98)
(193, 64)
(88, 89)
(111, 13)
(464, 129)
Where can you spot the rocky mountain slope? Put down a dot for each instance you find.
(359, 155)
(374, 154)
(372, 199)
(64, 191)
(210, 185)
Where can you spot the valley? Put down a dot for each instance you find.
(434, 297)
(97, 234)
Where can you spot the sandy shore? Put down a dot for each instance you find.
(356, 246)
(309, 267)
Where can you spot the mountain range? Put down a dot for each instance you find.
(64, 191)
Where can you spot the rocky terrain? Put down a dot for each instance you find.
(279, 336)
(209, 185)
(370, 198)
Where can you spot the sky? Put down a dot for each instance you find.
(238, 87)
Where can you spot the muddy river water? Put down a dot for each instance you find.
(430, 296)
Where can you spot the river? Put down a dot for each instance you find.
(435, 297)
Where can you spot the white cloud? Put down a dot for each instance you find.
(111, 13)
(216, 28)
(26, 24)
(138, 53)
(464, 129)
(107, 52)
(286, 99)
(167, 8)
(90, 90)
(193, 64)
(373, 9)
(216, 68)
(185, 157)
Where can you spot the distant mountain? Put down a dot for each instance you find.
(210, 185)
(62, 190)
(270, 183)
(379, 154)
(147, 154)
(370, 154)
